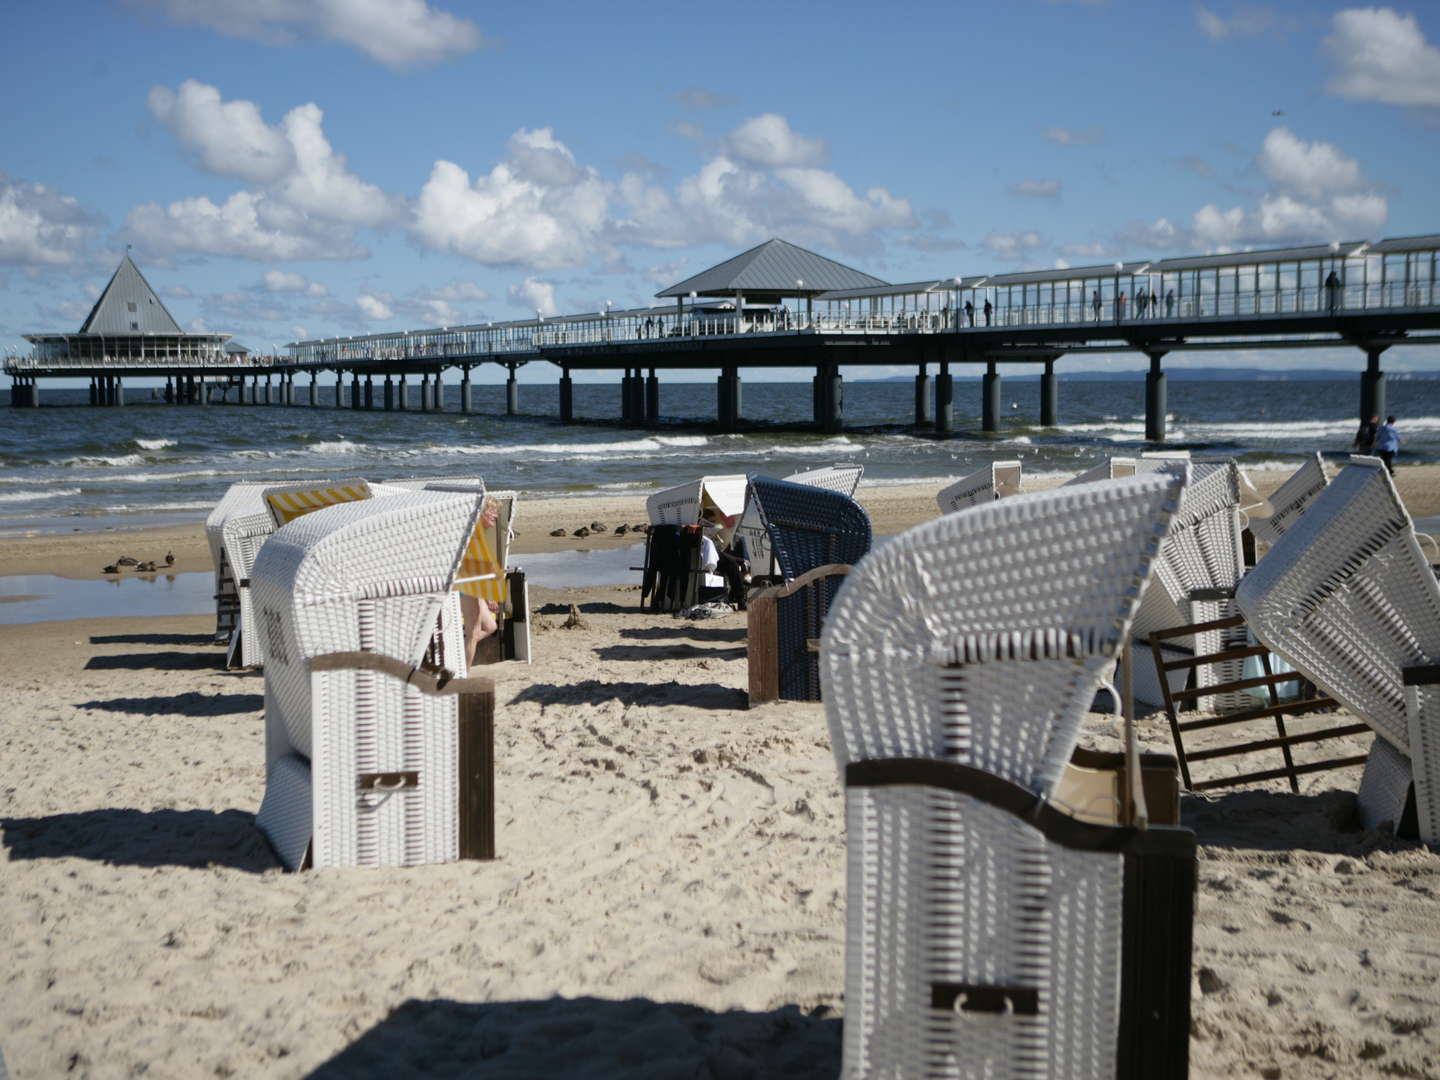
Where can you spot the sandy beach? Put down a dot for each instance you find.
(669, 897)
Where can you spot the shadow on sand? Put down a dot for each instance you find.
(1325, 822)
(167, 661)
(678, 650)
(728, 634)
(152, 639)
(594, 692)
(583, 1038)
(189, 838)
(192, 704)
(595, 607)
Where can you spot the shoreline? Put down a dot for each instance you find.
(893, 508)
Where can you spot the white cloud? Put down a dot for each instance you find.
(1037, 189)
(769, 141)
(532, 294)
(1012, 246)
(246, 225)
(307, 204)
(373, 307)
(287, 281)
(397, 33)
(1307, 168)
(539, 208)
(1086, 251)
(38, 225)
(1382, 55)
(1073, 137)
(1244, 22)
(228, 138)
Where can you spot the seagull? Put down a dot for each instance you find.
(170, 558)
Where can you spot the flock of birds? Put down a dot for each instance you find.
(599, 527)
(140, 567)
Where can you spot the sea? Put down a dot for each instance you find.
(68, 466)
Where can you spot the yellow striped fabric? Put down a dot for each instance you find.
(291, 503)
(479, 561)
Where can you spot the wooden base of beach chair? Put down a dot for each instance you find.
(1275, 712)
(763, 645)
(1092, 787)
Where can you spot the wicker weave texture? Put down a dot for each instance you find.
(945, 888)
(239, 500)
(1348, 598)
(376, 576)
(839, 478)
(987, 631)
(1291, 499)
(995, 481)
(1115, 468)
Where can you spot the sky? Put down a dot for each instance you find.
(291, 169)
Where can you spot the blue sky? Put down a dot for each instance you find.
(300, 168)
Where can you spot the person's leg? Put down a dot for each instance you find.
(733, 571)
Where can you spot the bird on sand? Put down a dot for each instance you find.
(169, 558)
(126, 560)
(112, 569)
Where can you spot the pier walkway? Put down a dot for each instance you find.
(779, 306)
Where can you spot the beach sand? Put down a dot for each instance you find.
(669, 897)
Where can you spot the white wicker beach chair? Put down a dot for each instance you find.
(843, 479)
(995, 481)
(242, 500)
(989, 932)
(1200, 565)
(362, 767)
(1290, 500)
(1348, 597)
(1114, 468)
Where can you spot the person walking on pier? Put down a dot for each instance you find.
(1095, 303)
(969, 313)
(1169, 302)
(1332, 292)
(1387, 441)
(989, 308)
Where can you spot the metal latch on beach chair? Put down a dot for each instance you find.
(982, 998)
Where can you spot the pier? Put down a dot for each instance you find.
(780, 306)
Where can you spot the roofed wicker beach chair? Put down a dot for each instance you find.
(242, 500)
(1290, 500)
(249, 519)
(992, 932)
(374, 737)
(751, 530)
(816, 537)
(1113, 468)
(1200, 565)
(994, 481)
(1348, 597)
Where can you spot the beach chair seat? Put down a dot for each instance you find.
(816, 535)
(990, 931)
(995, 481)
(1348, 597)
(361, 616)
(752, 538)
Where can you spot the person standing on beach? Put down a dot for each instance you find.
(1365, 437)
(1387, 441)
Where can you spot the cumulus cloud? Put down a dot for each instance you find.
(769, 141)
(538, 208)
(284, 281)
(1036, 189)
(1244, 22)
(397, 33)
(247, 225)
(1313, 169)
(374, 307)
(532, 294)
(1012, 246)
(229, 138)
(306, 204)
(1382, 55)
(1073, 137)
(40, 226)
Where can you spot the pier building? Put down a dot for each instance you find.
(781, 306)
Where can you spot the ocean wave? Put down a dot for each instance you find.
(336, 446)
(117, 461)
(32, 496)
(154, 444)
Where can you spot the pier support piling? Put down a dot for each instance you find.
(944, 400)
(990, 398)
(466, 398)
(1372, 386)
(437, 388)
(567, 398)
(728, 397)
(314, 389)
(830, 397)
(355, 391)
(652, 399)
(1049, 396)
(369, 393)
(339, 389)
(922, 396)
(1155, 405)
(512, 392)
